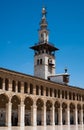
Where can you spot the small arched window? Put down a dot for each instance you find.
(6, 84)
(40, 61)
(13, 86)
(25, 87)
(41, 90)
(65, 94)
(82, 97)
(19, 86)
(1, 83)
(62, 94)
(55, 92)
(73, 96)
(31, 89)
(58, 93)
(77, 96)
(37, 90)
(46, 91)
(50, 92)
(70, 95)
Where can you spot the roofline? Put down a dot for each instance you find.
(23, 74)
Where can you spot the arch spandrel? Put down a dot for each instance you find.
(28, 102)
(64, 105)
(57, 104)
(79, 106)
(39, 103)
(15, 100)
(72, 106)
(3, 100)
(48, 104)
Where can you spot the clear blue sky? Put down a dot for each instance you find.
(19, 22)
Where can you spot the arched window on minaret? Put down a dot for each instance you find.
(40, 61)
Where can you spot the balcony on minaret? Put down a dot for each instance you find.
(50, 63)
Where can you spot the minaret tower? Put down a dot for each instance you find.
(44, 58)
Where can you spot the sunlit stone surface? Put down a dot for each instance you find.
(71, 127)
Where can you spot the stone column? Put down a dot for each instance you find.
(75, 115)
(52, 115)
(21, 114)
(44, 115)
(44, 91)
(22, 87)
(34, 114)
(3, 87)
(81, 116)
(68, 115)
(16, 87)
(8, 113)
(34, 89)
(28, 89)
(10, 85)
(60, 115)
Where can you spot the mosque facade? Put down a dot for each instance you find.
(43, 99)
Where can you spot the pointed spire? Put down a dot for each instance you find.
(43, 23)
(44, 12)
(43, 32)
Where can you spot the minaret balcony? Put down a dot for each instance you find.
(50, 63)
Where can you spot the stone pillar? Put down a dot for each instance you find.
(52, 92)
(44, 91)
(44, 115)
(22, 87)
(10, 85)
(67, 95)
(68, 115)
(60, 115)
(76, 116)
(21, 114)
(34, 114)
(81, 116)
(28, 89)
(3, 87)
(34, 89)
(52, 115)
(16, 87)
(8, 113)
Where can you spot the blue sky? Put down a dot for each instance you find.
(19, 24)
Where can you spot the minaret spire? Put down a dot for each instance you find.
(43, 32)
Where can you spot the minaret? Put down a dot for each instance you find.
(44, 57)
